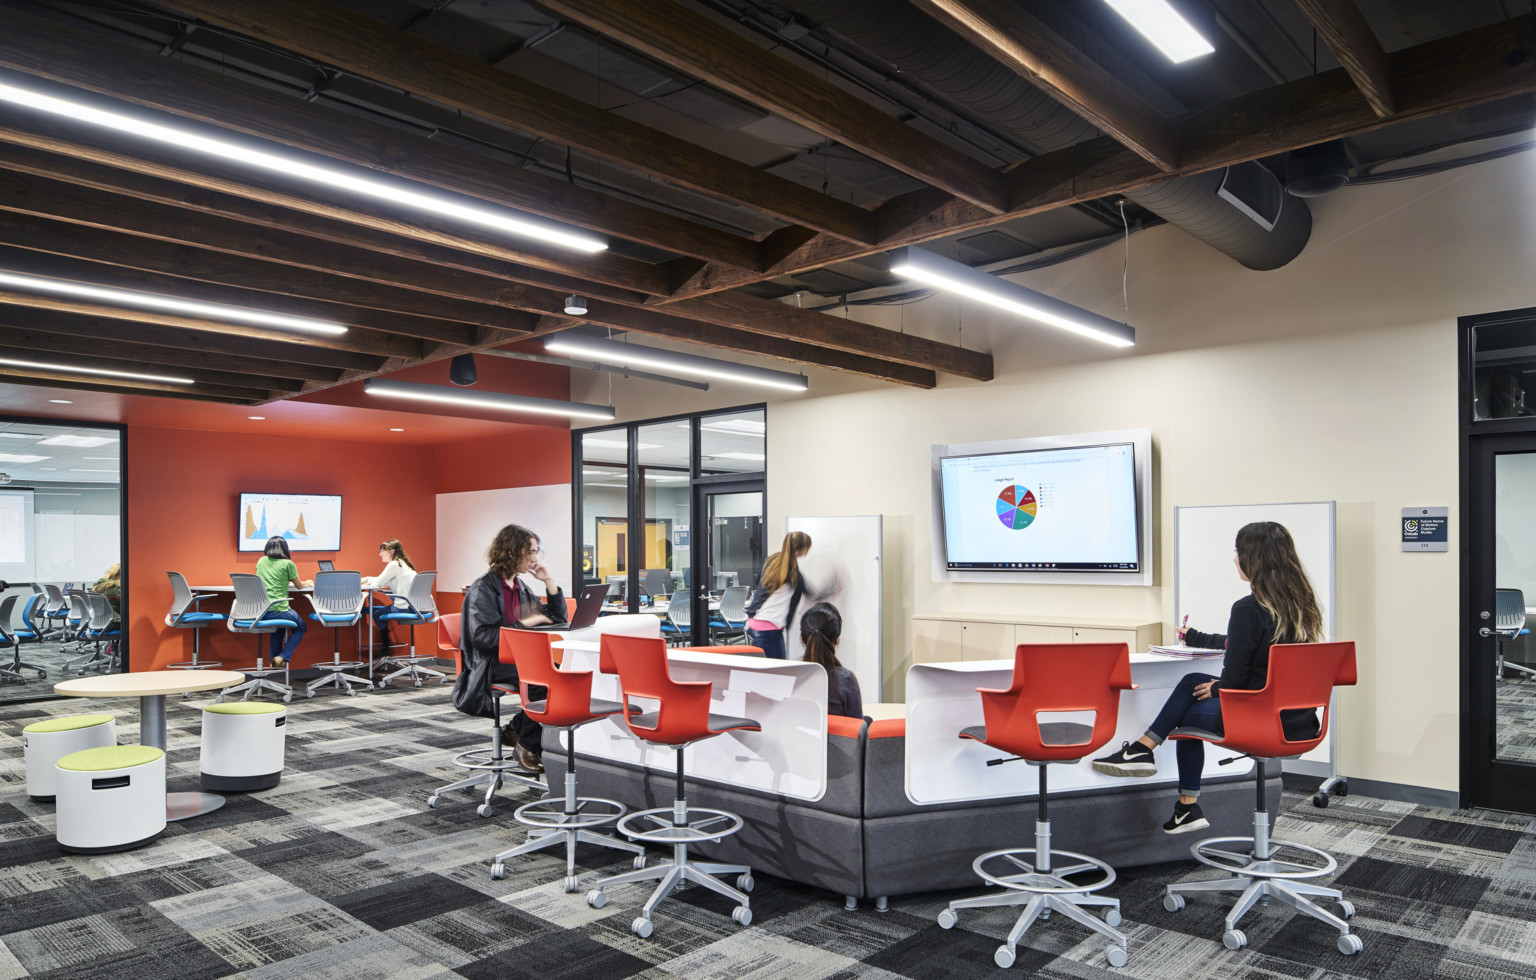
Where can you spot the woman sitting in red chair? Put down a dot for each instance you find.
(1281, 609)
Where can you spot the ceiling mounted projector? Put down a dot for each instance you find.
(575, 305)
(461, 370)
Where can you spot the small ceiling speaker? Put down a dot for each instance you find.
(461, 370)
(1313, 171)
(575, 305)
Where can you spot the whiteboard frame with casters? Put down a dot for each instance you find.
(1206, 584)
(853, 547)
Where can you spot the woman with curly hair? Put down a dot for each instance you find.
(496, 599)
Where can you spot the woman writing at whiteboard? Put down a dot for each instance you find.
(1281, 608)
(779, 591)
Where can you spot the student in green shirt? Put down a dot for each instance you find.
(276, 569)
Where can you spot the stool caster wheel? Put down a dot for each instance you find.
(418, 682)
(42, 674)
(745, 882)
(1112, 919)
(380, 685)
(596, 898)
(434, 802)
(639, 862)
(1116, 956)
(1173, 903)
(499, 871)
(483, 809)
(1045, 914)
(287, 697)
(741, 915)
(641, 928)
(1320, 800)
(948, 919)
(1350, 945)
(351, 692)
(311, 694)
(1345, 909)
(570, 884)
(1004, 957)
(1234, 939)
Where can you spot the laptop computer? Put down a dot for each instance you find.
(588, 606)
(326, 565)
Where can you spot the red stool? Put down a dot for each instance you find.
(1301, 675)
(681, 716)
(1049, 677)
(568, 705)
(491, 766)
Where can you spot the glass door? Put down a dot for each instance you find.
(729, 551)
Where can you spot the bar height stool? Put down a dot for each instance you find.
(1508, 624)
(568, 704)
(682, 716)
(185, 614)
(338, 599)
(420, 608)
(1301, 675)
(245, 616)
(1061, 678)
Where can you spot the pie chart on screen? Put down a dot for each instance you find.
(1016, 507)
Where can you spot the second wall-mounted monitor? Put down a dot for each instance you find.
(308, 522)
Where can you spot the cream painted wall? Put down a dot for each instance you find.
(1332, 378)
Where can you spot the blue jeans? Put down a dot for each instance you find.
(284, 650)
(770, 642)
(1181, 710)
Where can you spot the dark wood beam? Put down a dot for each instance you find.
(1004, 30)
(43, 48)
(235, 385)
(201, 392)
(677, 36)
(210, 368)
(114, 389)
(352, 42)
(1349, 36)
(1457, 72)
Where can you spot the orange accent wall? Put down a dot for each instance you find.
(183, 493)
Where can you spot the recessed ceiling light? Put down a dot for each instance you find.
(754, 457)
(60, 401)
(21, 435)
(615, 443)
(101, 459)
(103, 372)
(257, 418)
(88, 469)
(49, 469)
(78, 442)
(21, 458)
(397, 430)
(1165, 27)
(746, 426)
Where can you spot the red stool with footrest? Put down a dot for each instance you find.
(681, 716)
(1054, 678)
(1301, 675)
(567, 705)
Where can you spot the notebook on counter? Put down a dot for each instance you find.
(1184, 651)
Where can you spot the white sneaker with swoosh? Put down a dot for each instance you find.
(1186, 817)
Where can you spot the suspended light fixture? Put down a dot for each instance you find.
(355, 180)
(956, 277)
(576, 305)
(101, 372)
(614, 352)
(1165, 27)
(495, 401)
(461, 370)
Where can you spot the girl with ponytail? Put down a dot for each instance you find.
(820, 628)
(778, 595)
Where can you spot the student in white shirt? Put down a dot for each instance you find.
(398, 574)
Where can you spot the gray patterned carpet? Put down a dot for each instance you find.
(1515, 732)
(342, 871)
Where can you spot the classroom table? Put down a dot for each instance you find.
(658, 608)
(151, 687)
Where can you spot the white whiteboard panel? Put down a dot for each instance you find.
(845, 558)
(76, 547)
(1206, 581)
(467, 523)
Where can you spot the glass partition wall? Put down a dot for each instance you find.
(62, 547)
(670, 512)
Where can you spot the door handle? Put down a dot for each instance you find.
(1485, 631)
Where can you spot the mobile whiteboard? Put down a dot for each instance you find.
(1206, 582)
(844, 562)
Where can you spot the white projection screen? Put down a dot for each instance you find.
(18, 545)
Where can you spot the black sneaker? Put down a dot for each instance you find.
(1186, 817)
(1133, 759)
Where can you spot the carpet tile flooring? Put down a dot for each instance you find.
(342, 871)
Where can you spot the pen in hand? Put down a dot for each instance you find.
(1184, 627)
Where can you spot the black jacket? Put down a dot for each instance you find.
(1250, 632)
(480, 638)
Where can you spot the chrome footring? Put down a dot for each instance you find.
(711, 825)
(1245, 866)
(1025, 878)
(481, 759)
(551, 813)
(200, 665)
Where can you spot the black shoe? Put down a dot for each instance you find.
(1133, 759)
(1186, 817)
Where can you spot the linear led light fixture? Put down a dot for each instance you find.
(495, 401)
(518, 355)
(352, 180)
(103, 372)
(168, 304)
(1165, 27)
(615, 352)
(956, 277)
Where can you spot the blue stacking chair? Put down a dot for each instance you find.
(339, 601)
(8, 638)
(186, 615)
(245, 616)
(101, 623)
(729, 623)
(677, 625)
(32, 630)
(57, 611)
(419, 608)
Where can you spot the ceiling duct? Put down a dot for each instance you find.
(910, 40)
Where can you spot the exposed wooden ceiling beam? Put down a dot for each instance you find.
(202, 392)
(1349, 36)
(1004, 30)
(677, 36)
(1457, 72)
(212, 368)
(247, 385)
(352, 42)
(43, 48)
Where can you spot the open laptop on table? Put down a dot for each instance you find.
(587, 607)
(326, 565)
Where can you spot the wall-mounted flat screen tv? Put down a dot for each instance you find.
(1054, 510)
(307, 521)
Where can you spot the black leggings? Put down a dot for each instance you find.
(530, 733)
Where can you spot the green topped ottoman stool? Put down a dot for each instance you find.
(242, 746)
(46, 742)
(110, 799)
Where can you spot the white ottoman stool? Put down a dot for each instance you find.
(110, 799)
(242, 746)
(46, 742)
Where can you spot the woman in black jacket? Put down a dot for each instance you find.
(496, 599)
(1281, 609)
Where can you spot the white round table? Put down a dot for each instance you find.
(151, 687)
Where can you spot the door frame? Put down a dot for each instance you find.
(703, 488)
